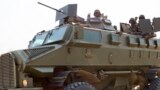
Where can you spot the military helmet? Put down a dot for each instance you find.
(132, 21)
(97, 13)
(141, 16)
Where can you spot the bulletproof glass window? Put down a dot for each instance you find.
(96, 23)
(94, 20)
(109, 27)
(151, 43)
(124, 27)
(142, 42)
(132, 41)
(93, 36)
(157, 42)
(115, 39)
(38, 39)
(57, 34)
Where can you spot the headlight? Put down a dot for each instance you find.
(25, 83)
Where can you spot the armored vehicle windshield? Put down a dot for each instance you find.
(56, 35)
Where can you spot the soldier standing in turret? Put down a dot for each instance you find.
(97, 15)
(99, 20)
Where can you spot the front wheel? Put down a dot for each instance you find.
(79, 86)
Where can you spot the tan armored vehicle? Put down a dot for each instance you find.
(74, 57)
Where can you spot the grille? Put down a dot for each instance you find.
(7, 71)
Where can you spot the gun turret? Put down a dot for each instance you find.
(65, 14)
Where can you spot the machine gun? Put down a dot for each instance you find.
(65, 14)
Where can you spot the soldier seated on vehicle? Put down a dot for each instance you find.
(147, 35)
(97, 17)
(134, 27)
(99, 20)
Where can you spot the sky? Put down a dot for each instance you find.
(20, 20)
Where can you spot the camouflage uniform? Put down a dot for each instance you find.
(134, 27)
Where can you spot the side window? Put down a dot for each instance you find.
(92, 36)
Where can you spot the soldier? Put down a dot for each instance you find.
(99, 20)
(134, 27)
(97, 15)
(147, 35)
(96, 21)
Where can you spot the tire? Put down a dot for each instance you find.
(151, 74)
(155, 84)
(79, 86)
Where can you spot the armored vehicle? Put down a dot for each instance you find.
(75, 56)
